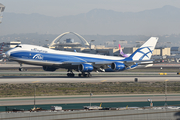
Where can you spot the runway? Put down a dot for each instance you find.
(94, 79)
(61, 77)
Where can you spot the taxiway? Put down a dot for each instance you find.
(86, 99)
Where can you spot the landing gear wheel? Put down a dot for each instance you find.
(79, 75)
(70, 74)
(84, 75)
(20, 69)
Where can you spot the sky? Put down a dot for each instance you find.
(58, 8)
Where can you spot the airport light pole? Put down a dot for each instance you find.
(165, 93)
(90, 97)
(150, 100)
(34, 96)
(114, 42)
(91, 43)
(46, 42)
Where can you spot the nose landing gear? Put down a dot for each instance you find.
(70, 74)
(20, 68)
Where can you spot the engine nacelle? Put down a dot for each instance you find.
(117, 66)
(86, 67)
(49, 68)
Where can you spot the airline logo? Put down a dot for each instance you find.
(38, 57)
(143, 53)
(146, 51)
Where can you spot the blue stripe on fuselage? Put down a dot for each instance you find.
(55, 57)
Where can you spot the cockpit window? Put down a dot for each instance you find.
(18, 46)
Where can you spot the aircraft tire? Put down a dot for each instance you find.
(70, 74)
(79, 75)
(20, 69)
(84, 75)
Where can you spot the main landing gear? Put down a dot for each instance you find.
(71, 74)
(85, 75)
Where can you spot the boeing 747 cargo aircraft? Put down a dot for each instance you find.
(50, 59)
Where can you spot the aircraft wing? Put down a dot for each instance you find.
(100, 65)
(126, 62)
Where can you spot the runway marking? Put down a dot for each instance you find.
(35, 81)
(103, 80)
(166, 80)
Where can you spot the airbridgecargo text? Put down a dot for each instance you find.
(36, 50)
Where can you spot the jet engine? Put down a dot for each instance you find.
(49, 68)
(86, 67)
(117, 66)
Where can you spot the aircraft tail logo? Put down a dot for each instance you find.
(145, 51)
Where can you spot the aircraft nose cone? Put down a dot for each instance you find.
(8, 54)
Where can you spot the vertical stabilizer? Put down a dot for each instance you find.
(145, 51)
(121, 53)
